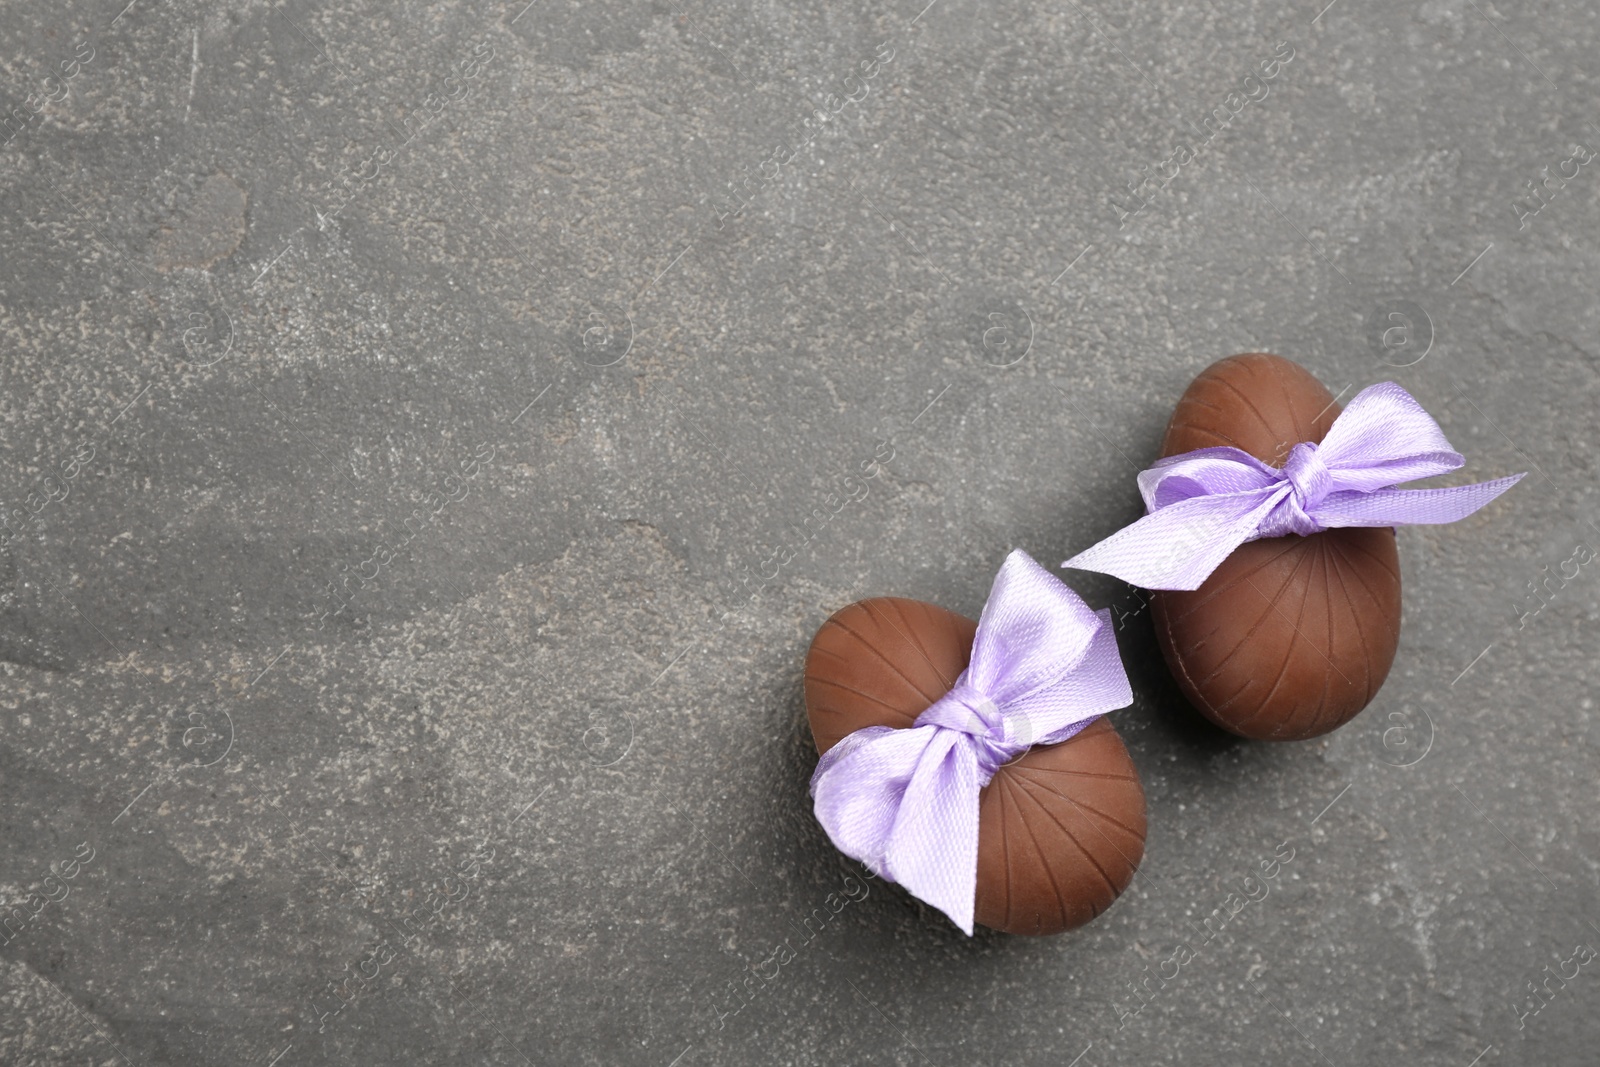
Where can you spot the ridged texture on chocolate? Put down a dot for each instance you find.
(1060, 829)
(1291, 636)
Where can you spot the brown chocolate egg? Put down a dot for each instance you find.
(1060, 829)
(1291, 636)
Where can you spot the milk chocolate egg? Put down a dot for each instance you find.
(1060, 829)
(1291, 636)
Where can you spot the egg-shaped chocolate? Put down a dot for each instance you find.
(1060, 829)
(1291, 636)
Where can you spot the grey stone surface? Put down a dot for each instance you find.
(405, 435)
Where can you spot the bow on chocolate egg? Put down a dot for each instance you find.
(905, 801)
(1204, 504)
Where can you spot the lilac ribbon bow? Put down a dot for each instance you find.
(905, 801)
(1204, 504)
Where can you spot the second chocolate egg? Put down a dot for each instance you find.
(1060, 829)
(1291, 636)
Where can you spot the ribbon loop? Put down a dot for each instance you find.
(1204, 504)
(905, 801)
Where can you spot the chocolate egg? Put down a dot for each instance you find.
(1291, 636)
(1060, 829)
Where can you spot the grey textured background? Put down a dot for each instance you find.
(272, 274)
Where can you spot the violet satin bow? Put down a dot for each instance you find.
(905, 801)
(1204, 504)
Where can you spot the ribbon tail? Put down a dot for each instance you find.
(860, 785)
(905, 803)
(1392, 507)
(933, 848)
(1178, 546)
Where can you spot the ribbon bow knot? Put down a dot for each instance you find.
(905, 801)
(1202, 505)
(1309, 476)
(970, 712)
